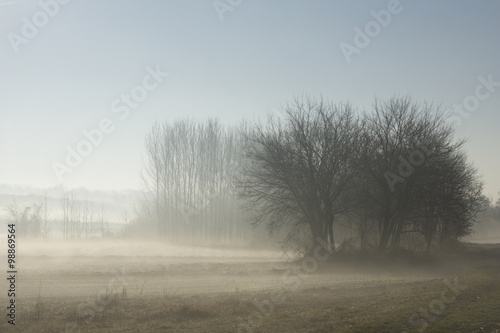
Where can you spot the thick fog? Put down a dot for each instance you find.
(249, 166)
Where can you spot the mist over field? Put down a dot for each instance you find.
(249, 166)
(137, 248)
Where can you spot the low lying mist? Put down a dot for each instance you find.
(135, 248)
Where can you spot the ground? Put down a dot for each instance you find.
(253, 292)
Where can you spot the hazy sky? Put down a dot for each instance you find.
(68, 73)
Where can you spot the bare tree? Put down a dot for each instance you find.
(87, 214)
(45, 214)
(65, 204)
(401, 137)
(188, 181)
(300, 168)
(27, 219)
(103, 223)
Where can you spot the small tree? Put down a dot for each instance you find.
(27, 219)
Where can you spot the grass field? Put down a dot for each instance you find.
(455, 293)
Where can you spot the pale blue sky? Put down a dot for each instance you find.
(264, 52)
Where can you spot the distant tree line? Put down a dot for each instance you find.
(80, 218)
(488, 227)
(31, 220)
(76, 218)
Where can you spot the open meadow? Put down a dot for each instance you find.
(139, 288)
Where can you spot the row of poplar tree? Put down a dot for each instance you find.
(188, 179)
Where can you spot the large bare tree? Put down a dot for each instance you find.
(300, 168)
(415, 170)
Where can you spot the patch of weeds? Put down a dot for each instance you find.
(167, 295)
(142, 287)
(235, 298)
(191, 312)
(39, 302)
